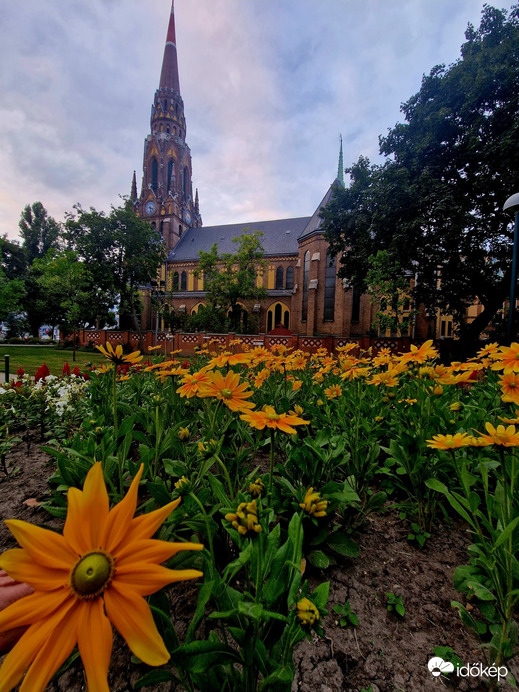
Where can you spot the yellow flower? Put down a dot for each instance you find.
(506, 437)
(307, 612)
(104, 368)
(192, 383)
(511, 421)
(245, 518)
(298, 410)
(256, 488)
(227, 389)
(507, 359)
(445, 442)
(181, 481)
(296, 384)
(154, 348)
(270, 419)
(419, 355)
(183, 433)
(456, 406)
(117, 357)
(312, 504)
(332, 391)
(510, 386)
(93, 576)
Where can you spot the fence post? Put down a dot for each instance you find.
(6, 368)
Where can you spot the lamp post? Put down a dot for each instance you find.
(512, 205)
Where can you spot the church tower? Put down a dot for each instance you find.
(167, 200)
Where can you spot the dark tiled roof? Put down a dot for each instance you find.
(315, 221)
(279, 238)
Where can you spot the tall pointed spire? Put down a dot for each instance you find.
(169, 75)
(340, 169)
(133, 194)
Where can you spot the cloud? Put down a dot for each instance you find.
(267, 88)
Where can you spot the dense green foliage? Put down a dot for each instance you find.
(435, 204)
(231, 277)
(73, 276)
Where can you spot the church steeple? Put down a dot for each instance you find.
(340, 168)
(133, 193)
(169, 75)
(167, 199)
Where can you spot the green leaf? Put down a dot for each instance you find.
(199, 656)
(506, 533)
(318, 559)
(343, 545)
(204, 595)
(320, 595)
(154, 677)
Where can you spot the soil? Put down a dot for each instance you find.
(385, 653)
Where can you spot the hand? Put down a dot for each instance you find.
(11, 591)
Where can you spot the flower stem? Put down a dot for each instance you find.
(271, 468)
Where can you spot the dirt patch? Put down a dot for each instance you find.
(385, 652)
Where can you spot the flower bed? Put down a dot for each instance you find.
(279, 459)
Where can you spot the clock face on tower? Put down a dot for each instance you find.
(187, 217)
(150, 207)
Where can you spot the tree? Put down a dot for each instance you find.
(391, 290)
(231, 277)
(68, 295)
(40, 233)
(435, 203)
(121, 252)
(12, 286)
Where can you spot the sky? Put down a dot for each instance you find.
(268, 87)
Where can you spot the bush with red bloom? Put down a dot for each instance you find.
(20, 373)
(66, 369)
(42, 372)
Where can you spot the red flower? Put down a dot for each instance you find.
(20, 372)
(66, 369)
(76, 371)
(86, 376)
(42, 372)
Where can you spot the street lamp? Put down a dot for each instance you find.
(512, 205)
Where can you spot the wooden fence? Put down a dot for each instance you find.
(187, 344)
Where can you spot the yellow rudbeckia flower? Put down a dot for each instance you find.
(93, 576)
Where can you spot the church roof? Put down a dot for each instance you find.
(315, 221)
(279, 238)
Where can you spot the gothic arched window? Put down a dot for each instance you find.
(279, 278)
(329, 288)
(183, 281)
(289, 284)
(175, 281)
(306, 281)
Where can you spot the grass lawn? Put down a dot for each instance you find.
(31, 357)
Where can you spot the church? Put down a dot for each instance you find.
(304, 294)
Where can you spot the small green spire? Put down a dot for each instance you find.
(340, 169)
